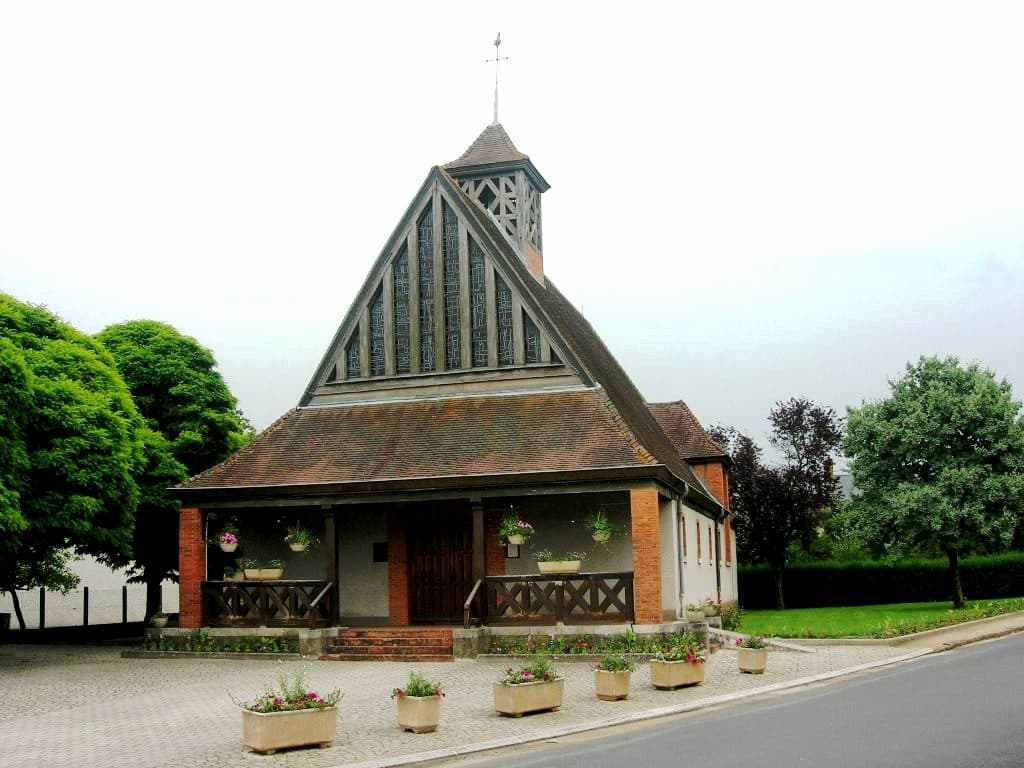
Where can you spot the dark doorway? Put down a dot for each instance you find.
(440, 562)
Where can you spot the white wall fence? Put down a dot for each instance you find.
(86, 606)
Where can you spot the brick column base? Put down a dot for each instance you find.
(191, 567)
(643, 515)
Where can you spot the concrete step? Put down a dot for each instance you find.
(407, 642)
(389, 650)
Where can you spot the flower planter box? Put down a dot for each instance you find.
(158, 621)
(559, 566)
(268, 732)
(269, 574)
(753, 660)
(611, 686)
(669, 675)
(419, 714)
(517, 700)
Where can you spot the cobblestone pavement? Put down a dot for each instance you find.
(86, 706)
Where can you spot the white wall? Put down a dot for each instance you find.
(699, 580)
(362, 583)
(669, 538)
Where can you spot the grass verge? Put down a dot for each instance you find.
(878, 621)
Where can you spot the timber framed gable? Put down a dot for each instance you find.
(444, 305)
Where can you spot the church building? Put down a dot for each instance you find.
(463, 392)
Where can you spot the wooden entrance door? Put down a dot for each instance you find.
(440, 563)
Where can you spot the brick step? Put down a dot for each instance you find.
(386, 657)
(389, 650)
(394, 641)
(405, 633)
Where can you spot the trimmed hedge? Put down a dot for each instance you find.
(828, 583)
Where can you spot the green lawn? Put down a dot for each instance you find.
(870, 620)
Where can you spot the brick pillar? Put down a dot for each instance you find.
(398, 572)
(643, 515)
(191, 567)
(495, 557)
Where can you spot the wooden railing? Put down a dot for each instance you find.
(266, 603)
(578, 598)
(467, 606)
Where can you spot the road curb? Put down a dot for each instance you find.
(635, 717)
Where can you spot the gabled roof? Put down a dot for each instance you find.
(453, 437)
(685, 431)
(601, 424)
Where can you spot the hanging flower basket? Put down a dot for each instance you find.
(515, 531)
(228, 541)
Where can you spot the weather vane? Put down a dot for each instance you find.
(497, 58)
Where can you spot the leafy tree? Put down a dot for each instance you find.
(70, 446)
(774, 506)
(179, 392)
(194, 423)
(939, 463)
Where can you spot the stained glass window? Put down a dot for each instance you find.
(532, 338)
(478, 304)
(403, 354)
(452, 323)
(352, 355)
(506, 355)
(425, 238)
(377, 335)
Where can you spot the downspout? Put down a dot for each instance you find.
(718, 559)
(681, 534)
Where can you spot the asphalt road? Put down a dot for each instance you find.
(960, 708)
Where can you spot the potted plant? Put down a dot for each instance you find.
(515, 531)
(274, 570)
(232, 572)
(569, 562)
(158, 620)
(753, 654)
(680, 663)
(611, 677)
(710, 608)
(292, 716)
(601, 528)
(250, 568)
(300, 539)
(532, 688)
(419, 704)
(695, 612)
(228, 541)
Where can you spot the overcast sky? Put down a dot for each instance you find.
(749, 201)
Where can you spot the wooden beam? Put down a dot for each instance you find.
(492, 315)
(518, 335)
(364, 342)
(414, 298)
(479, 561)
(389, 320)
(465, 323)
(331, 542)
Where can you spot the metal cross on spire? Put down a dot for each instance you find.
(497, 59)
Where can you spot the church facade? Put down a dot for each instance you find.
(460, 390)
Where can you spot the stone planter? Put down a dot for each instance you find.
(251, 574)
(559, 566)
(268, 732)
(601, 538)
(297, 547)
(419, 714)
(753, 660)
(228, 547)
(158, 621)
(611, 686)
(669, 675)
(269, 574)
(694, 616)
(517, 700)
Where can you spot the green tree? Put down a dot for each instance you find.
(177, 389)
(70, 447)
(939, 463)
(194, 423)
(775, 506)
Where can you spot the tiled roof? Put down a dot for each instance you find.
(686, 433)
(445, 437)
(491, 146)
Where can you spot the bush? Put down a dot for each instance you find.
(867, 582)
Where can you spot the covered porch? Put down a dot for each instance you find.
(440, 561)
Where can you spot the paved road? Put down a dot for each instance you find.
(962, 708)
